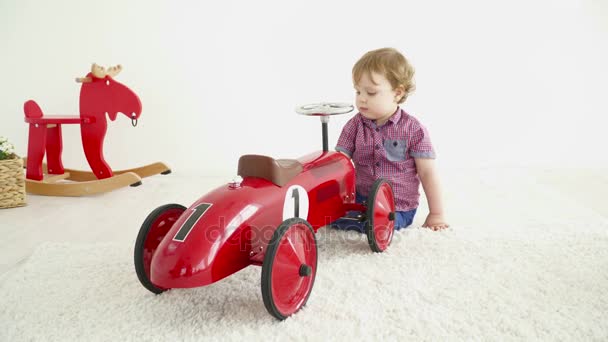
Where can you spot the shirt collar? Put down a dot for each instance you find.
(393, 118)
(396, 116)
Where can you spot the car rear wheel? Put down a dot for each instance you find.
(380, 224)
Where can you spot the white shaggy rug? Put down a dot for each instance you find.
(522, 260)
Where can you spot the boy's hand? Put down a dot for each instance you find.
(435, 222)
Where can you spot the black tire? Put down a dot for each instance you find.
(304, 270)
(139, 259)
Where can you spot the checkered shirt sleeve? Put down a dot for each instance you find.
(420, 142)
(346, 142)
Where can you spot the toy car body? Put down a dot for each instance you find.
(238, 220)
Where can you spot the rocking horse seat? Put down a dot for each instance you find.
(33, 115)
(59, 119)
(277, 171)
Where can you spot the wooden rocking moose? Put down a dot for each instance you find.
(100, 95)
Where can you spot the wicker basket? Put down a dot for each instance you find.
(12, 183)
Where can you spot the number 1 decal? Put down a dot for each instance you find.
(295, 203)
(194, 216)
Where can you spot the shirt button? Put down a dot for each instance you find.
(377, 147)
(378, 164)
(377, 129)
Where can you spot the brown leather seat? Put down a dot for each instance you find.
(277, 171)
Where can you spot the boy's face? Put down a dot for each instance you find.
(376, 98)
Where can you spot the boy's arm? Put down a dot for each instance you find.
(346, 141)
(432, 189)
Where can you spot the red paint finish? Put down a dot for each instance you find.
(235, 230)
(54, 147)
(99, 97)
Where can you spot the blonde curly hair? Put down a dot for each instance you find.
(390, 63)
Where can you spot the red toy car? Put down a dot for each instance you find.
(267, 216)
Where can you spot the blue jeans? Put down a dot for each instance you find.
(403, 219)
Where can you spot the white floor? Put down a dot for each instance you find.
(526, 257)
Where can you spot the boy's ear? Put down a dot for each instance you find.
(399, 92)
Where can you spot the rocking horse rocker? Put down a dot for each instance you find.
(100, 94)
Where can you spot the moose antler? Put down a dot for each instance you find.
(101, 72)
(114, 70)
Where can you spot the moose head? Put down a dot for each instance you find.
(101, 94)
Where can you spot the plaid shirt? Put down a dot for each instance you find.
(388, 152)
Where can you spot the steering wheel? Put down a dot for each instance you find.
(325, 108)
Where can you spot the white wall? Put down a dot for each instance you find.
(510, 83)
